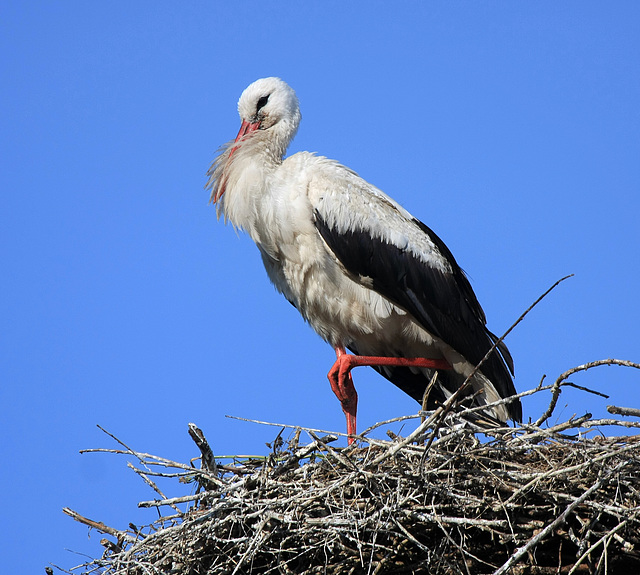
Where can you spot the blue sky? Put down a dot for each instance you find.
(511, 129)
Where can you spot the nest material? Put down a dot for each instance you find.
(526, 500)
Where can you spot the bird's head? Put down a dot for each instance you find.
(270, 116)
(269, 102)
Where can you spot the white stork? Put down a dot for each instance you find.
(365, 274)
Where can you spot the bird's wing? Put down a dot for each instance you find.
(383, 247)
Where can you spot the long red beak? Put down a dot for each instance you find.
(245, 128)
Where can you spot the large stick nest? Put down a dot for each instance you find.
(446, 499)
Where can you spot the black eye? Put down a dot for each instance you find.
(262, 102)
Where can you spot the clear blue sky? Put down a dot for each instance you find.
(512, 129)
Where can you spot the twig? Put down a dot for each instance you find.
(629, 411)
(208, 460)
(98, 525)
(175, 500)
(557, 386)
(287, 426)
(462, 390)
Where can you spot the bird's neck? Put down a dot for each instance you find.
(244, 174)
(247, 178)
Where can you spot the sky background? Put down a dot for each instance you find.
(511, 129)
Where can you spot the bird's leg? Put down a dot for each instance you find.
(373, 360)
(342, 383)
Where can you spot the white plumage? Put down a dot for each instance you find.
(361, 270)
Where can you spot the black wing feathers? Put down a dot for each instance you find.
(443, 303)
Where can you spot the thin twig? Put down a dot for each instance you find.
(98, 525)
(557, 386)
(462, 390)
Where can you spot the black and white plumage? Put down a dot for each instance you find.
(363, 272)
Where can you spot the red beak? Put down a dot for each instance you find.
(245, 128)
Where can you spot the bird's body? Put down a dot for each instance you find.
(361, 270)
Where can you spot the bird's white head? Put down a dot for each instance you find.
(270, 115)
(269, 102)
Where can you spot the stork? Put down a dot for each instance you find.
(361, 270)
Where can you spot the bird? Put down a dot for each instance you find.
(366, 275)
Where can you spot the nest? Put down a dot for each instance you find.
(448, 498)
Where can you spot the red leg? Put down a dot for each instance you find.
(342, 383)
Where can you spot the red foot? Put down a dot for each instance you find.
(342, 383)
